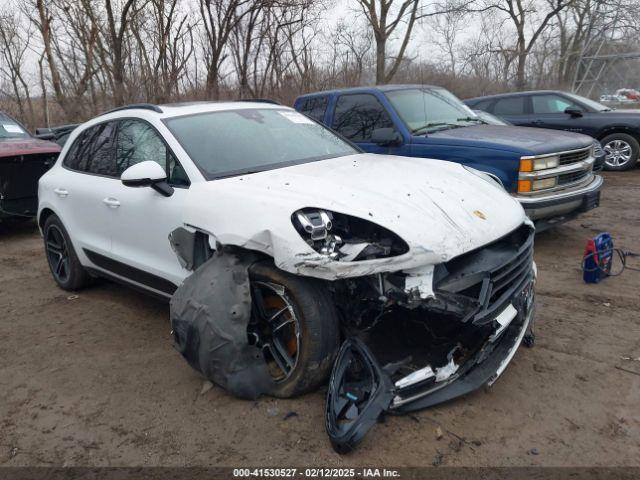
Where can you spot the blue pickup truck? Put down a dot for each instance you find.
(550, 172)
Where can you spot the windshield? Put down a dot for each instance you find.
(431, 109)
(592, 104)
(234, 142)
(9, 128)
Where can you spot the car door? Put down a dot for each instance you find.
(83, 189)
(357, 115)
(514, 109)
(143, 217)
(549, 112)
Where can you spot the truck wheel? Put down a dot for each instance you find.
(621, 151)
(63, 262)
(295, 324)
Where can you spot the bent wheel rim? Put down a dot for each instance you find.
(618, 153)
(274, 328)
(57, 254)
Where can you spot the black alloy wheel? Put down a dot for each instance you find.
(58, 254)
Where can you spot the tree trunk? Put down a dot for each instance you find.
(381, 57)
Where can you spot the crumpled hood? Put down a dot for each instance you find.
(11, 147)
(439, 208)
(523, 140)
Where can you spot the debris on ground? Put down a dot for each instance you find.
(206, 386)
(289, 415)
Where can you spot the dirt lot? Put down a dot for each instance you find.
(92, 378)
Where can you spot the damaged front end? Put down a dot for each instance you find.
(404, 352)
(413, 338)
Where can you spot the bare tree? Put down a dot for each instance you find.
(219, 19)
(528, 15)
(355, 43)
(388, 19)
(14, 43)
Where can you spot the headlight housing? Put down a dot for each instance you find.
(345, 238)
(536, 164)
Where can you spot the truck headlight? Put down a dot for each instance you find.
(535, 164)
(544, 183)
(525, 186)
(345, 238)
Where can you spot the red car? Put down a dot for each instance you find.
(23, 160)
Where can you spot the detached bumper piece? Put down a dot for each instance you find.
(463, 339)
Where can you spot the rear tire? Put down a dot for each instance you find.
(66, 269)
(317, 324)
(621, 151)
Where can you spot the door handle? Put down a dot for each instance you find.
(61, 192)
(111, 202)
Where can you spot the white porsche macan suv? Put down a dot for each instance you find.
(277, 240)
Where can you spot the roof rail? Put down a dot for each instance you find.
(143, 106)
(259, 100)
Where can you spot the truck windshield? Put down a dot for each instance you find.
(9, 128)
(248, 140)
(430, 109)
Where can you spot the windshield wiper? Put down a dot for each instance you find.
(470, 119)
(435, 124)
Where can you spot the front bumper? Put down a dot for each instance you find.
(560, 206)
(486, 365)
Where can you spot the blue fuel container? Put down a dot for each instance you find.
(598, 255)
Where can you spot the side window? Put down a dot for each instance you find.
(551, 104)
(356, 116)
(315, 108)
(509, 106)
(137, 142)
(483, 105)
(72, 159)
(92, 152)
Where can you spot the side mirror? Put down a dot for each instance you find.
(573, 111)
(386, 137)
(147, 174)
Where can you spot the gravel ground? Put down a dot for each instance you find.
(92, 379)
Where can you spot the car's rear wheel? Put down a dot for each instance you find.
(295, 325)
(63, 262)
(621, 151)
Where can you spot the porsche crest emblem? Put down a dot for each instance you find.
(479, 214)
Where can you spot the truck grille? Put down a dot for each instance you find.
(573, 177)
(575, 156)
(491, 275)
